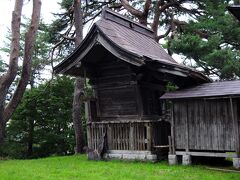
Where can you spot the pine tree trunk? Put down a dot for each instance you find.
(2, 124)
(2, 130)
(79, 83)
(7, 79)
(77, 120)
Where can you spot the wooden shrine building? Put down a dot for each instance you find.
(128, 71)
(206, 121)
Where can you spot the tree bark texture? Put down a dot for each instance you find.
(79, 83)
(76, 115)
(141, 15)
(7, 79)
(2, 126)
(159, 8)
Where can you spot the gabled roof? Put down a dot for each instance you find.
(235, 10)
(127, 40)
(215, 89)
(137, 43)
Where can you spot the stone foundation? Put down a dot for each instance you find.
(186, 159)
(172, 159)
(131, 155)
(236, 163)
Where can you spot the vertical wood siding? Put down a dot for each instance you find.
(210, 125)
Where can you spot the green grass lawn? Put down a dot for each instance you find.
(78, 167)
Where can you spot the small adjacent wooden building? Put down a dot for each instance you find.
(128, 71)
(206, 120)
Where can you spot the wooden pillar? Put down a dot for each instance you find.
(139, 101)
(170, 145)
(131, 137)
(172, 128)
(87, 111)
(187, 127)
(97, 101)
(89, 136)
(235, 129)
(109, 137)
(87, 116)
(149, 136)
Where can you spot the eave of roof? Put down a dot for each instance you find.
(235, 10)
(59, 68)
(136, 52)
(207, 90)
(96, 36)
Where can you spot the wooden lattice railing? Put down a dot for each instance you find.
(140, 136)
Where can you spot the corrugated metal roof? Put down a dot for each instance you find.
(225, 88)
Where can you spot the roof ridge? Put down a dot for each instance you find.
(108, 14)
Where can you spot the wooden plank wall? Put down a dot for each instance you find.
(115, 89)
(122, 90)
(151, 102)
(117, 101)
(237, 115)
(210, 126)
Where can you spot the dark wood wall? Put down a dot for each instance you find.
(120, 92)
(114, 89)
(205, 124)
(151, 101)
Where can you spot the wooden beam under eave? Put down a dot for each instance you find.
(172, 71)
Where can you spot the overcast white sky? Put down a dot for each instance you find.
(6, 8)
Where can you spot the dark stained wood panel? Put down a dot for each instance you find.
(120, 101)
(151, 102)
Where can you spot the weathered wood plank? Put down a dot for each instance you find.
(139, 101)
(209, 124)
(173, 129)
(170, 145)
(109, 137)
(235, 129)
(89, 137)
(207, 154)
(131, 137)
(185, 115)
(149, 137)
